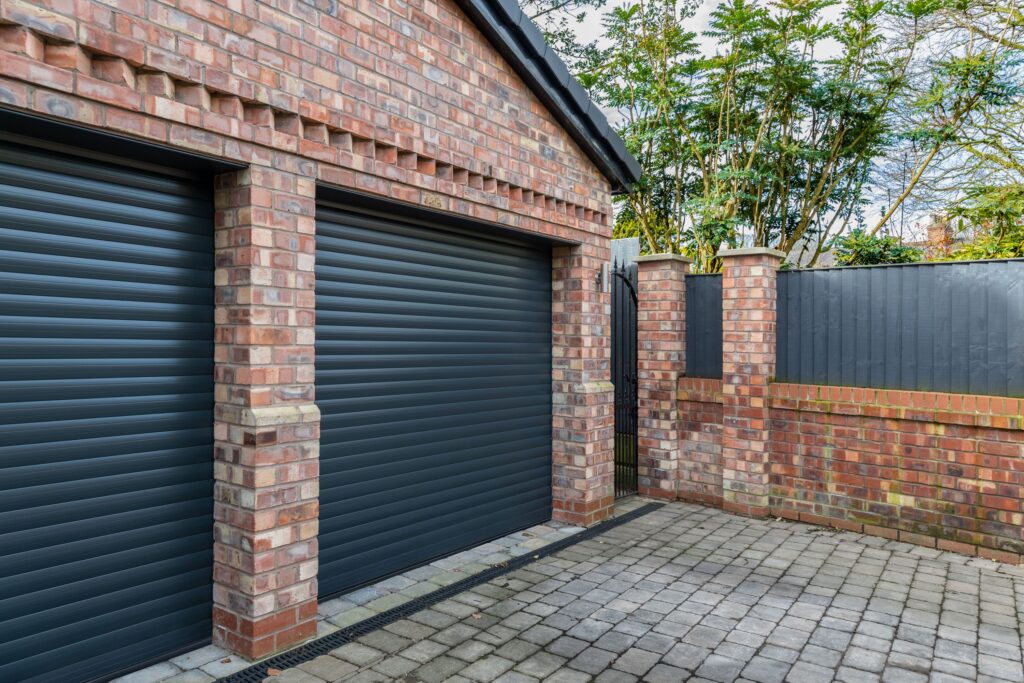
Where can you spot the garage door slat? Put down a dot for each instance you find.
(434, 385)
(106, 414)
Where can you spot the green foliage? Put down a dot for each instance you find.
(858, 248)
(995, 216)
(762, 142)
(559, 20)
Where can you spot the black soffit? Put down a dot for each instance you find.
(520, 42)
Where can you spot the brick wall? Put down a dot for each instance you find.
(402, 100)
(700, 461)
(934, 469)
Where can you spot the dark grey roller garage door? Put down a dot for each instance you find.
(106, 329)
(433, 377)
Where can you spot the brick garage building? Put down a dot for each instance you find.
(185, 186)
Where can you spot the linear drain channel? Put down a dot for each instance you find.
(332, 641)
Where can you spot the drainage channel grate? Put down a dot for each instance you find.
(332, 641)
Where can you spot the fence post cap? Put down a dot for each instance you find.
(648, 258)
(724, 252)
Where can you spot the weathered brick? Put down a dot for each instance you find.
(661, 360)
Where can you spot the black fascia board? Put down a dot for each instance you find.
(522, 44)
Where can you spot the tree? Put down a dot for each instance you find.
(558, 20)
(993, 220)
(858, 248)
(763, 142)
(962, 115)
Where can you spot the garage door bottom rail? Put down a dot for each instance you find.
(321, 646)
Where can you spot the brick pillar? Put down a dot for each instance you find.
(266, 425)
(583, 400)
(748, 364)
(661, 360)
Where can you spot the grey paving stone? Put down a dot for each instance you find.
(439, 669)
(541, 664)
(150, 674)
(593, 660)
(568, 676)
(615, 676)
(395, 667)
(541, 634)
(487, 669)
(358, 654)
(517, 650)
(686, 656)
(664, 673)
(636, 661)
(328, 668)
(997, 667)
(765, 670)
(805, 672)
(385, 641)
(690, 593)
(567, 647)
(190, 676)
(718, 668)
(455, 634)
(893, 674)
(589, 630)
(471, 650)
(424, 651)
(293, 676)
(867, 660)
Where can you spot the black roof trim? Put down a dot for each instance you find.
(520, 42)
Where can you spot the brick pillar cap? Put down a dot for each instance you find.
(725, 252)
(649, 258)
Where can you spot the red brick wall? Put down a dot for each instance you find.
(748, 364)
(929, 468)
(661, 359)
(403, 100)
(700, 462)
(941, 470)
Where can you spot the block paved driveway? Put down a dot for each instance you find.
(691, 593)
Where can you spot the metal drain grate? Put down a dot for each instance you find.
(332, 641)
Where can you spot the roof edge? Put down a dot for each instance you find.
(522, 44)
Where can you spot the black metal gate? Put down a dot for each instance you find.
(624, 369)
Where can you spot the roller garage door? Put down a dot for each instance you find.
(433, 377)
(106, 398)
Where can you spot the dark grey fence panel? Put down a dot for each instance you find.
(954, 327)
(704, 326)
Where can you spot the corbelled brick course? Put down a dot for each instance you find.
(403, 101)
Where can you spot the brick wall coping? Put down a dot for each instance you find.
(651, 258)
(724, 252)
(998, 412)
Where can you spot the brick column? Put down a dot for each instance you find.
(583, 400)
(267, 427)
(748, 365)
(661, 360)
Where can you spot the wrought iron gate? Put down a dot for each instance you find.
(624, 368)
